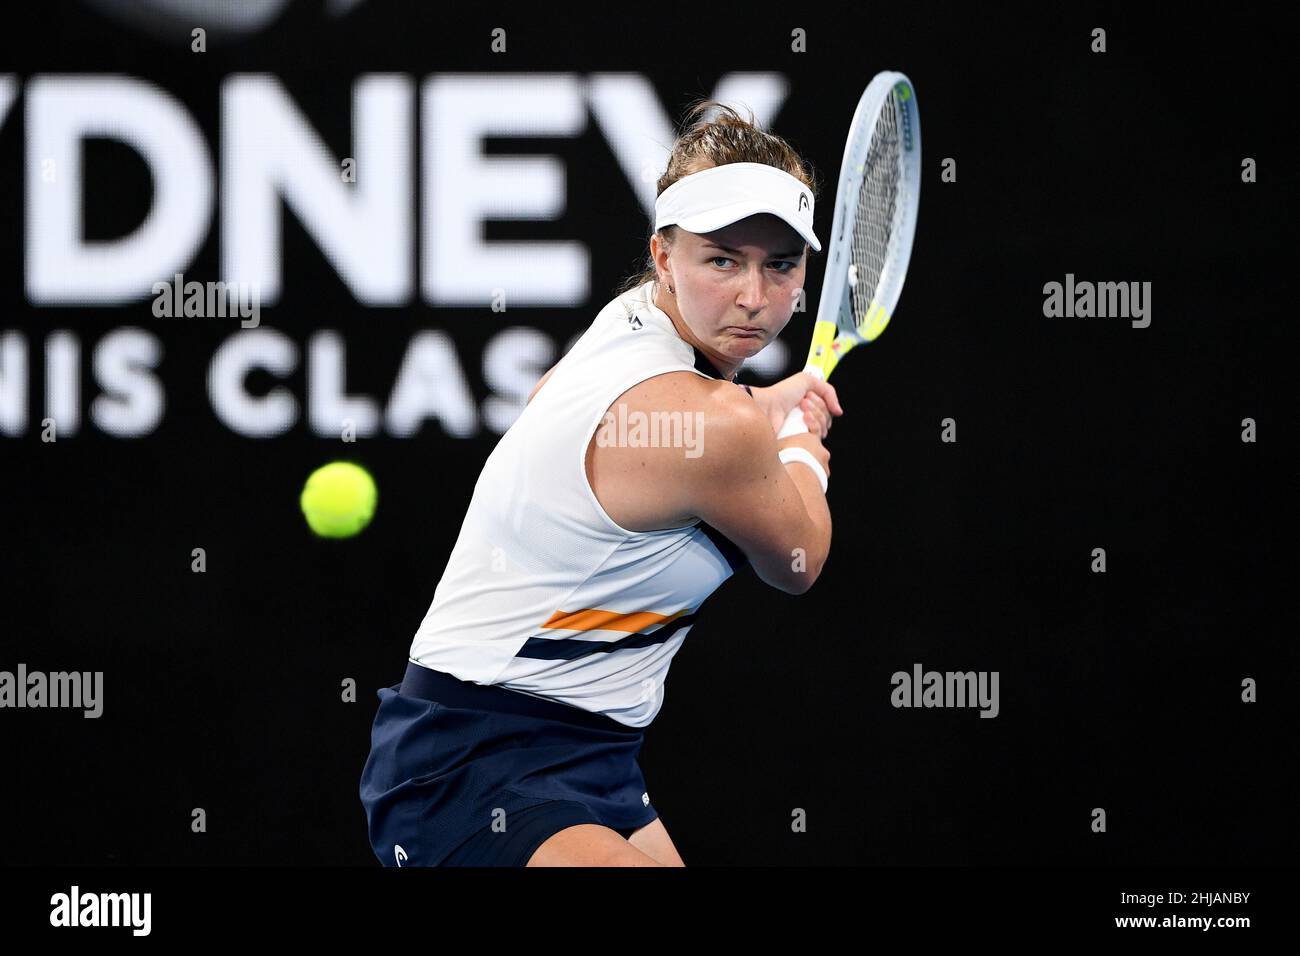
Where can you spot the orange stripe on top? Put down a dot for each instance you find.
(595, 619)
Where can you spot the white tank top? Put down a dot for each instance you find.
(544, 593)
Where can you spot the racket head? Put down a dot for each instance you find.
(876, 204)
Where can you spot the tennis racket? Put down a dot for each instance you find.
(871, 235)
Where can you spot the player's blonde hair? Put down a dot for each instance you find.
(728, 138)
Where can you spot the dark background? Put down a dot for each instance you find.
(1118, 690)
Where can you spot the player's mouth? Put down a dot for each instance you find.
(746, 331)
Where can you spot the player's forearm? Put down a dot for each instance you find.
(818, 545)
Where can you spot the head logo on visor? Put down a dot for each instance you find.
(720, 195)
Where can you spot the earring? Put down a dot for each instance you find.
(671, 290)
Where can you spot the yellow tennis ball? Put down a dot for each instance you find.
(338, 499)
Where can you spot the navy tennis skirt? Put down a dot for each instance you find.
(465, 774)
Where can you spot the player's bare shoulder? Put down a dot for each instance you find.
(661, 440)
(701, 420)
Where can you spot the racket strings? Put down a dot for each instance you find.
(878, 210)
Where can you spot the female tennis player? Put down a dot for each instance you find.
(588, 548)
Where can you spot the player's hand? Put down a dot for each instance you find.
(815, 413)
(801, 390)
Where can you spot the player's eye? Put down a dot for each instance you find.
(785, 262)
(720, 259)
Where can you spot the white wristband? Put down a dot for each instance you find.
(805, 456)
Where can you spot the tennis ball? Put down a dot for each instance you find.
(338, 499)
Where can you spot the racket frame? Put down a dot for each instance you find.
(837, 329)
(835, 310)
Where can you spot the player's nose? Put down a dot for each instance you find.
(753, 292)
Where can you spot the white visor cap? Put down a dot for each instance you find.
(720, 195)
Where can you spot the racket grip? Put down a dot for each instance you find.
(794, 424)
